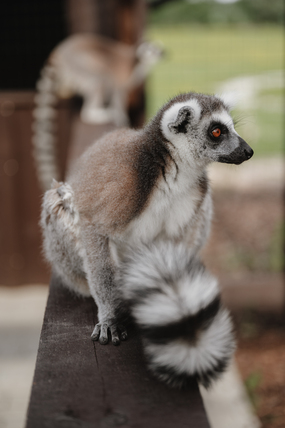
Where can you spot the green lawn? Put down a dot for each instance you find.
(199, 58)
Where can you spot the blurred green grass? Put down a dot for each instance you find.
(199, 58)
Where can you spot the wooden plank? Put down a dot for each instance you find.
(80, 383)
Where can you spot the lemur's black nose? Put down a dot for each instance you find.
(245, 149)
(248, 152)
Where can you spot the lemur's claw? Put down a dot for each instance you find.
(100, 333)
(124, 334)
(103, 339)
(96, 332)
(115, 335)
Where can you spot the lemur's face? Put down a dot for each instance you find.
(202, 128)
(222, 142)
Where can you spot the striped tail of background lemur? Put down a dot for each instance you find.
(103, 72)
(127, 228)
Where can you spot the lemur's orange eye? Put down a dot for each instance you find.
(216, 132)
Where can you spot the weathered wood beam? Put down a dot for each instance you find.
(80, 383)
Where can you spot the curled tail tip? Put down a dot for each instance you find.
(176, 303)
(179, 361)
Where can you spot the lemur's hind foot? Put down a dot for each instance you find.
(62, 246)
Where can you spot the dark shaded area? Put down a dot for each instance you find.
(29, 30)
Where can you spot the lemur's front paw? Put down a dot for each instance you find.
(101, 330)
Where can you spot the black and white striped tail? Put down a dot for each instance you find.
(176, 303)
(44, 128)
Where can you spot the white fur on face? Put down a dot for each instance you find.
(171, 114)
(224, 118)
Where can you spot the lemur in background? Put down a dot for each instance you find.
(102, 71)
(127, 228)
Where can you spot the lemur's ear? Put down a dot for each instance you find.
(180, 126)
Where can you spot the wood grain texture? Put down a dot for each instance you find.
(79, 383)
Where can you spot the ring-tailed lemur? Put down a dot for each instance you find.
(127, 228)
(103, 72)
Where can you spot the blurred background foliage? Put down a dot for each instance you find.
(215, 12)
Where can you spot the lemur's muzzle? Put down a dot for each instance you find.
(242, 153)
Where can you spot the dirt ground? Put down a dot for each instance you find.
(261, 360)
(247, 244)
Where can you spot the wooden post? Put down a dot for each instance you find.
(21, 260)
(122, 20)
